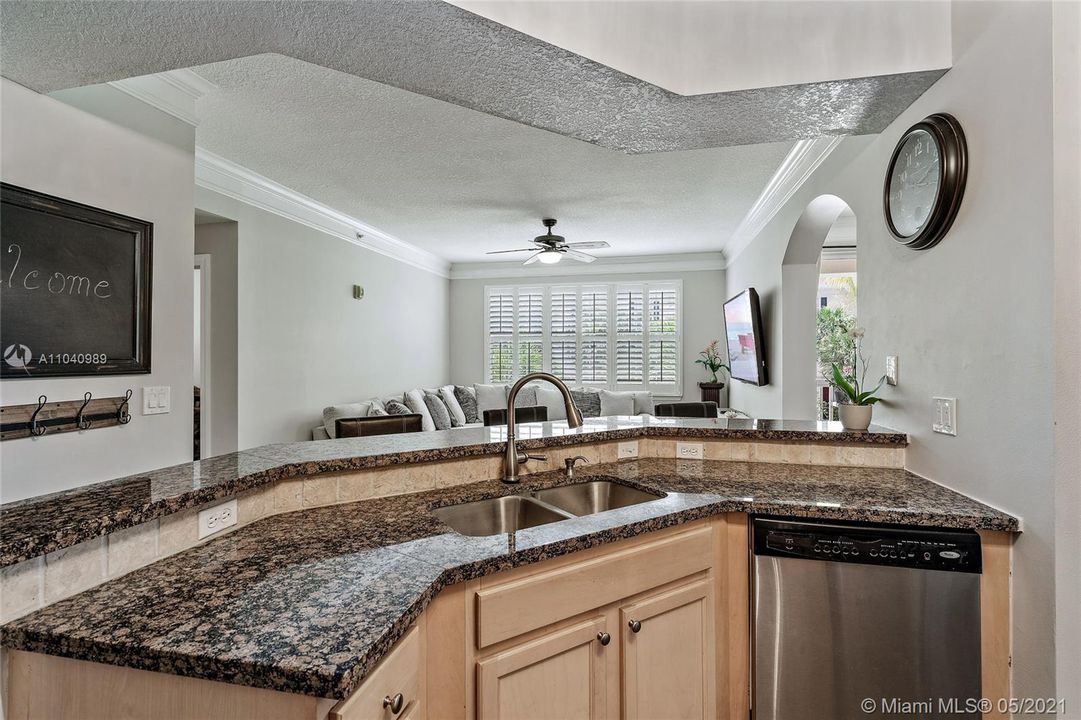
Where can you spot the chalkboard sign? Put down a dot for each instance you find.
(74, 288)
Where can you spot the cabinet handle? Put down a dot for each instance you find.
(394, 703)
(634, 625)
(604, 638)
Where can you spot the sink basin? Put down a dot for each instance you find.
(498, 515)
(594, 497)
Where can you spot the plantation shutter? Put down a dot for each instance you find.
(564, 333)
(663, 336)
(594, 307)
(530, 331)
(500, 336)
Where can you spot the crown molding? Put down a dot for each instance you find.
(689, 262)
(802, 160)
(838, 253)
(228, 178)
(173, 92)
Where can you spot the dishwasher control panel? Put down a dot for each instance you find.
(924, 549)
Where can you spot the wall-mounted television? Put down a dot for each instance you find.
(743, 333)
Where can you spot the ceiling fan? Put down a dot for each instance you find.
(550, 248)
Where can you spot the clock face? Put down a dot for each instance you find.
(914, 183)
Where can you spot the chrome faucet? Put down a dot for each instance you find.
(513, 457)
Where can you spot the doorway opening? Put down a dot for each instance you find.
(836, 309)
(201, 374)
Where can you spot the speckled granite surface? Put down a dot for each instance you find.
(36, 526)
(318, 596)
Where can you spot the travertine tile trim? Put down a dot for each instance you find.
(30, 585)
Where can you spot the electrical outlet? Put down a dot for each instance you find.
(891, 369)
(627, 450)
(156, 400)
(689, 451)
(217, 518)
(945, 420)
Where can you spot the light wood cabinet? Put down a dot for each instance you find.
(527, 670)
(394, 690)
(559, 675)
(668, 655)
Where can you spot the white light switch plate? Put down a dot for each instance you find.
(689, 451)
(627, 450)
(891, 369)
(156, 400)
(945, 420)
(217, 518)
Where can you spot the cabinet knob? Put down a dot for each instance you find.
(394, 703)
(634, 625)
(604, 638)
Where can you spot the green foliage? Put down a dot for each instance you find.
(834, 344)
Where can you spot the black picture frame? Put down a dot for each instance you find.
(137, 359)
(952, 175)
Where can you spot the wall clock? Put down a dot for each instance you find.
(925, 181)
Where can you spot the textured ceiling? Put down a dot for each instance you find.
(457, 182)
(438, 50)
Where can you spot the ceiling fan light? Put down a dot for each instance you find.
(550, 257)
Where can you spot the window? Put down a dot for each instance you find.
(622, 336)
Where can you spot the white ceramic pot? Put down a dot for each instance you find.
(856, 417)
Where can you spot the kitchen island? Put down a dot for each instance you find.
(308, 603)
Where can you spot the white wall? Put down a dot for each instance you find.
(219, 241)
(305, 343)
(703, 296)
(1067, 333)
(970, 318)
(59, 150)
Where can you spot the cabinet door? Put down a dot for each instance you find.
(558, 675)
(400, 672)
(668, 662)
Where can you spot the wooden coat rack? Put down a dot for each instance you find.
(45, 418)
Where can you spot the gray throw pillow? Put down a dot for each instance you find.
(468, 401)
(438, 410)
(588, 402)
(394, 407)
(377, 410)
(527, 397)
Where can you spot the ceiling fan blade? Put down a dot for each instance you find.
(500, 252)
(532, 259)
(579, 256)
(595, 245)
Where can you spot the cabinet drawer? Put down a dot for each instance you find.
(398, 672)
(508, 610)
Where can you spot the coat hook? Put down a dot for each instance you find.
(34, 429)
(81, 422)
(122, 415)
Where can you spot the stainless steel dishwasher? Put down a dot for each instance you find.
(852, 621)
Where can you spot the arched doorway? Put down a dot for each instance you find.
(800, 301)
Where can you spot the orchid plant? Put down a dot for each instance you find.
(852, 381)
(711, 360)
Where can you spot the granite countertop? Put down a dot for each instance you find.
(315, 598)
(39, 525)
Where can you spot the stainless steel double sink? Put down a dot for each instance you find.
(507, 514)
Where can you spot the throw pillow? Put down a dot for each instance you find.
(552, 399)
(643, 402)
(616, 403)
(467, 398)
(457, 415)
(414, 400)
(526, 397)
(396, 407)
(588, 402)
(438, 410)
(491, 397)
(379, 410)
(349, 410)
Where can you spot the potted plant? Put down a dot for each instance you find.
(856, 412)
(711, 360)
